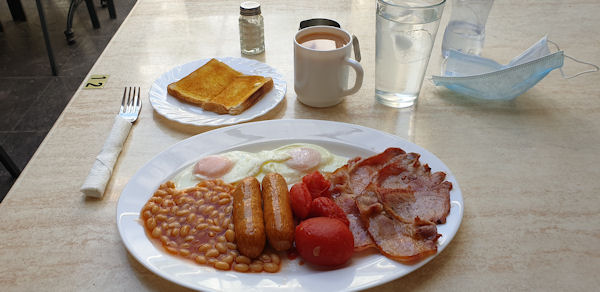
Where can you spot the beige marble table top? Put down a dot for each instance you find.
(528, 168)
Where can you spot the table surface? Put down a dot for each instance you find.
(528, 168)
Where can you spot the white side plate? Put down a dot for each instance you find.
(186, 113)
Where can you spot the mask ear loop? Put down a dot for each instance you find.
(596, 68)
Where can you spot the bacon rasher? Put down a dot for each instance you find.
(393, 203)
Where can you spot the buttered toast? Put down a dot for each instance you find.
(218, 88)
(204, 83)
(240, 94)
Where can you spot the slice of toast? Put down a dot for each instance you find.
(204, 83)
(243, 92)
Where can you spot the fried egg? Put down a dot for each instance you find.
(303, 159)
(292, 161)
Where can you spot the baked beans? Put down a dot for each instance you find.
(196, 223)
(241, 267)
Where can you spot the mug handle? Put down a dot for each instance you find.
(356, 47)
(359, 76)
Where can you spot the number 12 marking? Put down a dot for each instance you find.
(96, 81)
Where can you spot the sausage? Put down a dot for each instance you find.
(248, 221)
(279, 220)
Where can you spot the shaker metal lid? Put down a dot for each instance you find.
(249, 8)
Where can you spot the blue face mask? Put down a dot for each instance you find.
(484, 78)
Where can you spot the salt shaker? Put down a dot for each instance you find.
(466, 29)
(252, 36)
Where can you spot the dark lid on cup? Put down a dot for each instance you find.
(318, 21)
(249, 8)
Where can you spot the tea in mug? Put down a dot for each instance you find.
(321, 41)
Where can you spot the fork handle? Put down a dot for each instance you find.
(101, 171)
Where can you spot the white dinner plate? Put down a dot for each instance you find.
(186, 113)
(364, 270)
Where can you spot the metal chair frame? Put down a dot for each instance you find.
(9, 164)
(16, 9)
(93, 16)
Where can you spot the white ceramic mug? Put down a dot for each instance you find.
(321, 76)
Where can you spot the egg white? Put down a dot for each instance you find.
(261, 163)
(329, 162)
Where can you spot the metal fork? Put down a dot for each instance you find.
(131, 104)
(95, 183)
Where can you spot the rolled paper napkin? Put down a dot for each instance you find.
(101, 171)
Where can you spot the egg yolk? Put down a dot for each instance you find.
(303, 159)
(213, 166)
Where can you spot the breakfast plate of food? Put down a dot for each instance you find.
(275, 205)
(217, 91)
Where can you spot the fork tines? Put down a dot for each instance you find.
(131, 98)
(130, 104)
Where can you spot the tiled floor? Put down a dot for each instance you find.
(31, 99)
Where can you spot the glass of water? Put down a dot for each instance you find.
(405, 34)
